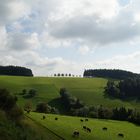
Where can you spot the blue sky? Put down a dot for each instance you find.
(62, 36)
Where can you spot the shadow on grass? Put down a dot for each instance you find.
(126, 99)
(109, 97)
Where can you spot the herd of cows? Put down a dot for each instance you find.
(76, 133)
(87, 129)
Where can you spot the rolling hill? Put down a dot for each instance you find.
(89, 90)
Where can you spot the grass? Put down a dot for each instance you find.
(65, 126)
(39, 131)
(89, 90)
(25, 130)
(45, 92)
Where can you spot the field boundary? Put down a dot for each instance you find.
(45, 127)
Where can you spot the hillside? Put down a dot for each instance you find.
(90, 91)
(25, 130)
(65, 126)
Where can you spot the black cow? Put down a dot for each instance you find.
(88, 130)
(76, 133)
(81, 120)
(121, 135)
(84, 127)
(104, 128)
(44, 117)
(86, 120)
(56, 118)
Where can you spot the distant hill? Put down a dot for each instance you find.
(15, 71)
(110, 73)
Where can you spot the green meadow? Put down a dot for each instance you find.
(66, 125)
(89, 90)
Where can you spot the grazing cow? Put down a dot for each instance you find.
(104, 128)
(81, 120)
(84, 127)
(44, 117)
(56, 119)
(88, 130)
(121, 135)
(86, 120)
(76, 133)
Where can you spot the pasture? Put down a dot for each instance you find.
(89, 90)
(66, 125)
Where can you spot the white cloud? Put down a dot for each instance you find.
(40, 65)
(11, 10)
(29, 27)
(23, 41)
(84, 50)
(53, 42)
(93, 30)
(3, 37)
(126, 62)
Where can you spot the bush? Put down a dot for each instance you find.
(28, 106)
(45, 108)
(42, 108)
(15, 113)
(7, 101)
(31, 93)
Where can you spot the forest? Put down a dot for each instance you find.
(110, 73)
(15, 71)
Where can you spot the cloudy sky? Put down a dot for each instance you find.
(51, 36)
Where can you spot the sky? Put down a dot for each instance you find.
(69, 36)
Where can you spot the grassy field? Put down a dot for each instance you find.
(28, 130)
(89, 90)
(38, 131)
(65, 126)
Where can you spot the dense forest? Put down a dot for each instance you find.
(15, 71)
(124, 88)
(110, 73)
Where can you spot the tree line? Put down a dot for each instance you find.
(124, 88)
(15, 71)
(76, 107)
(65, 75)
(110, 73)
